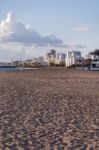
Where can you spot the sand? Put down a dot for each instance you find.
(49, 109)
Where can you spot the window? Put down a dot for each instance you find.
(93, 65)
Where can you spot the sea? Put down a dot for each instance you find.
(11, 69)
(8, 69)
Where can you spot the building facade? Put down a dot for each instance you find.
(72, 57)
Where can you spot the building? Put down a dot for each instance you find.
(94, 56)
(53, 53)
(72, 57)
(38, 62)
(51, 57)
(94, 65)
(60, 59)
(55, 59)
(41, 61)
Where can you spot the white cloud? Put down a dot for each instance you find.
(19, 41)
(78, 46)
(12, 31)
(74, 46)
(84, 28)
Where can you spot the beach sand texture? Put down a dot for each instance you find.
(49, 109)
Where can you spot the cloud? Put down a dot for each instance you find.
(79, 46)
(12, 31)
(20, 41)
(75, 46)
(84, 28)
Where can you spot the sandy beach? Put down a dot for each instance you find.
(49, 109)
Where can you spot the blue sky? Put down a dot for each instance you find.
(74, 22)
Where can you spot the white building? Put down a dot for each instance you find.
(40, 61)
(72, 57)
(60, 58)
